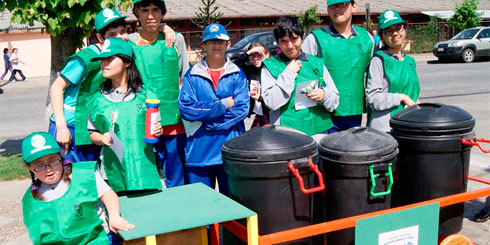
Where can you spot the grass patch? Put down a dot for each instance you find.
(12, 167)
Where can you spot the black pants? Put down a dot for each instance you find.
(12, 77)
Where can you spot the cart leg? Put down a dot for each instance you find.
(214, 234)
(252, 230)
(203, 235)
(151, 240)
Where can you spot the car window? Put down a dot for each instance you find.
(466, 34)
(244, 41)
(265, 39)
(484, 34)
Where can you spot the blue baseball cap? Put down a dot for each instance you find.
(215, 31)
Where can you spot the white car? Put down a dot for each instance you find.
(466, 45)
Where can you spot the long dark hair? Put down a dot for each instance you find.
(67, 168)
(134, 76)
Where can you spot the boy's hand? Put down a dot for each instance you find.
(119, 223)
(106, 139)
(158, 130)
(232, 101)
(294, 65)
(63, 136)
(169, 34)
(317, 95)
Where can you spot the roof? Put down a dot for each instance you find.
(185, 9)
(6, 24)
(448, 14)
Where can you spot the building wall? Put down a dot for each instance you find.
(34, 50)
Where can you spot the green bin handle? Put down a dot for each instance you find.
(373, 181)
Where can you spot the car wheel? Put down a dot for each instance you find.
(468, 55)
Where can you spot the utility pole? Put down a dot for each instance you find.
(368, 24)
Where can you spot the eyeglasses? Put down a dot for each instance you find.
(43, 167)
(397, 28)
(339, 5)
(216, 41)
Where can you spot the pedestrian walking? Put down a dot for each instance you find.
(7, 63)
(346, 50)
(392, 81)
(14, 58)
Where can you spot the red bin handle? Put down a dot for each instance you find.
(295, 171)
(474, 142)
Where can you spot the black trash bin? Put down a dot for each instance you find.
(357, 166)
(270, 170)
(433, 162)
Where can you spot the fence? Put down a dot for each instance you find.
(421, 37)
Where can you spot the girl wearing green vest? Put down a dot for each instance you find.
(118, 109)
(60, 207)
(296, 86)
(392, 81)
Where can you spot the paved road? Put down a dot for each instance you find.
(464, 85)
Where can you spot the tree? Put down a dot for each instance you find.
(207, 14)
(66, 21)
(465, 16)
(309, 18)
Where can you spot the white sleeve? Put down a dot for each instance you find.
(331, 101)
(102, 186)
(276, 93)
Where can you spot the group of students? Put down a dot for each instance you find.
(316, 85)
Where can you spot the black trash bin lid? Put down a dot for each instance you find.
(432, 119)
(358, 145)
(269, 143)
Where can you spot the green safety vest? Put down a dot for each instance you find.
(347, 61)
(402, 77)
(312, 120)
(159, 68)
(70, 219)
(138, 170)
(89, 86)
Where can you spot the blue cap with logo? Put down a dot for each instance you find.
(215, 31)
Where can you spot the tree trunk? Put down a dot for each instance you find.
(62, 46)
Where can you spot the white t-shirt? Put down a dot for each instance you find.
(15, 61)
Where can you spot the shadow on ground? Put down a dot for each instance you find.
(11, 146)
(472, 207)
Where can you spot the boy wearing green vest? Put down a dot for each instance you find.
(77, 80)
(392, 81)
(296, 86)
(346, 51)
(161, 67)
(60, 207)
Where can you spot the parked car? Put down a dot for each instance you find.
(466, 45)
(243, 45)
